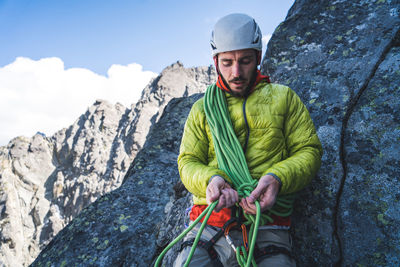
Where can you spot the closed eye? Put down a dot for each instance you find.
(226, 62)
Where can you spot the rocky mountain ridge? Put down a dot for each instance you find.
(120, 228)
(342, 59)
(46, 181)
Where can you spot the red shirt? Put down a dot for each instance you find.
(218, 219)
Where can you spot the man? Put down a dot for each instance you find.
(278, 139)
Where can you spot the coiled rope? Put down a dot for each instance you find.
(232, 161)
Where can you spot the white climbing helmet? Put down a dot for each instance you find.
(235, 32)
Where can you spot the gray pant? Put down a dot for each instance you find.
(227, 255)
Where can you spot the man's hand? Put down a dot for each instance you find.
(265, 192)
(219, 189)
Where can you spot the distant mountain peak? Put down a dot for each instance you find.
(47, 180)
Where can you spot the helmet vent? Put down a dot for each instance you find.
(256, 40)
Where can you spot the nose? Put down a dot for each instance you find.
(236, 71)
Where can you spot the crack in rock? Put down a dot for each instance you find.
(350, 108)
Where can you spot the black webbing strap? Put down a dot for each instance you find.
(261, 254)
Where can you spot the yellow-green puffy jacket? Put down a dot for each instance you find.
(281, 140)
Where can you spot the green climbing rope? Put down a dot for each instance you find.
(232, 161)
(206, 212)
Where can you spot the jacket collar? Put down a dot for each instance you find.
(259, 78)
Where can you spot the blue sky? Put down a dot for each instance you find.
(58, 57)
(96, 34)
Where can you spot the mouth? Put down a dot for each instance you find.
(238, 82)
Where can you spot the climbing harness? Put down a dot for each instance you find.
(209, 245)
(261, 254)
(235, 222)
(232, 161)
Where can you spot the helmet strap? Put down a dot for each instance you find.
(258, 55)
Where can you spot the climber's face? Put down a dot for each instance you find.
(237, 68)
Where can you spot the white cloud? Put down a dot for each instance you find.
(41, 95)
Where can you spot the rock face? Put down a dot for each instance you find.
(46, 181)
(121, 228)
(343, 59)
(174, 81)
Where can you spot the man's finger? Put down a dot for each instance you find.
(268, 199)
(251, 199)
(214, 192)
(231, 196)
(243, 204)
(236, 196)
(250, 210)
(256, 193)
(208, 195)
(248, 207)
(221, 203)
(252, 206)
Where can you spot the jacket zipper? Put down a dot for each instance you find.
(247, 126)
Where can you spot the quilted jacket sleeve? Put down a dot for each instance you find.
(193, 162)
(303, 147)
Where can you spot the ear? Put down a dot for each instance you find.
(215, 58)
